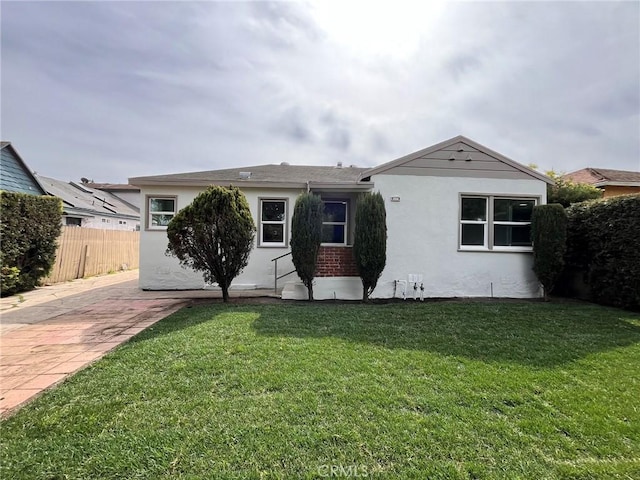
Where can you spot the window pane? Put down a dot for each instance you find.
(501, 210)
(474, 209)
(512, 235)
(335, 212)
(512, 210)
(160, 220)
(272, 211)
(521, 236)
(472, 234)
(521, 210)
(162, 205)
(272, 233)
(333, 234)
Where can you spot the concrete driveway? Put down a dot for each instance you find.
(50, 333)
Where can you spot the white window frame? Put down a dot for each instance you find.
(484, 222)
(284, 223)
(489, 237)
(345, 223)
(150, 214)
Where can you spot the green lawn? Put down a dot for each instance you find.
(404, 390)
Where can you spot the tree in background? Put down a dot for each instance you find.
(549, 236)
(566, 192)
(29, 230)
(370, 242)
(214, 235)
(306, 235)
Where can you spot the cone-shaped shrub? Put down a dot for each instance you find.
(370, 242)
(306, 235)
(549, 236)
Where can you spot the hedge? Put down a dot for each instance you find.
(29, 228)
(603, 248)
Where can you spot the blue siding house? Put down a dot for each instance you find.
(15, 176)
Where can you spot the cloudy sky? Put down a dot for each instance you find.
(112, 90)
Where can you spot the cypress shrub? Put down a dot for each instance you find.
(370, 242)
(214, 235)
(29, 231)
(549, 236)
(306, 235)
(602, 244)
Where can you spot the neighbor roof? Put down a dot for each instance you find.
(82, 200)
(601, 177)
(15, 176)
(283, 175)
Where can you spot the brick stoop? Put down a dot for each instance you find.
(336, 262)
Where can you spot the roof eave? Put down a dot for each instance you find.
(609, 183)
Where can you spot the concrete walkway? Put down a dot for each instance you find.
(52, 332)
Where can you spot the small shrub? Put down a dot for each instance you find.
(214, 235)
(9, 277)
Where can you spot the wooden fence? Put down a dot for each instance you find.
(84, 252)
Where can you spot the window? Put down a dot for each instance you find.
(512, 222)
(273, 223)
(73, 222)
(495, 223)
(334, 222)
(161, 211)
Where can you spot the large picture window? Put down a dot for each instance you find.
(273, 222)
(495, 223)
(334, 222)
(161, 211)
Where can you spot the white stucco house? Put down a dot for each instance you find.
(458, 221)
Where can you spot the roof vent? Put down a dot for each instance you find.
(284, 164)
(245, 175)
(339, 165)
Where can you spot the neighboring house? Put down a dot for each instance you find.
(128, 193)
(90, 207)
(15, 176)
(611, 182)
(458, 220)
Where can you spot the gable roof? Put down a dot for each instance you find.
(461, 156)
(601, 177)
(80, 200)
(15, 176)
(272, 176)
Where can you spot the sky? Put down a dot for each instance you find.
(113, 90)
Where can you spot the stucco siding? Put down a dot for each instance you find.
(615, 190)
(423, 239)
(161, 272)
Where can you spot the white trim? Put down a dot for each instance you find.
(149, 217)
(284, 223)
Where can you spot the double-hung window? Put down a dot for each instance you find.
(334, 222)
(273, 222)
(161, 211)
(495, 223)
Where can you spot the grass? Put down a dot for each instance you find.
(404, 390)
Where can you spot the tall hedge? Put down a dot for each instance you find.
(370, 240)
(306, 235)
(29, 229)
(214, 235)
(603, 244)
(549, 237)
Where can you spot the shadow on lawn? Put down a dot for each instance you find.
(536, 334)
